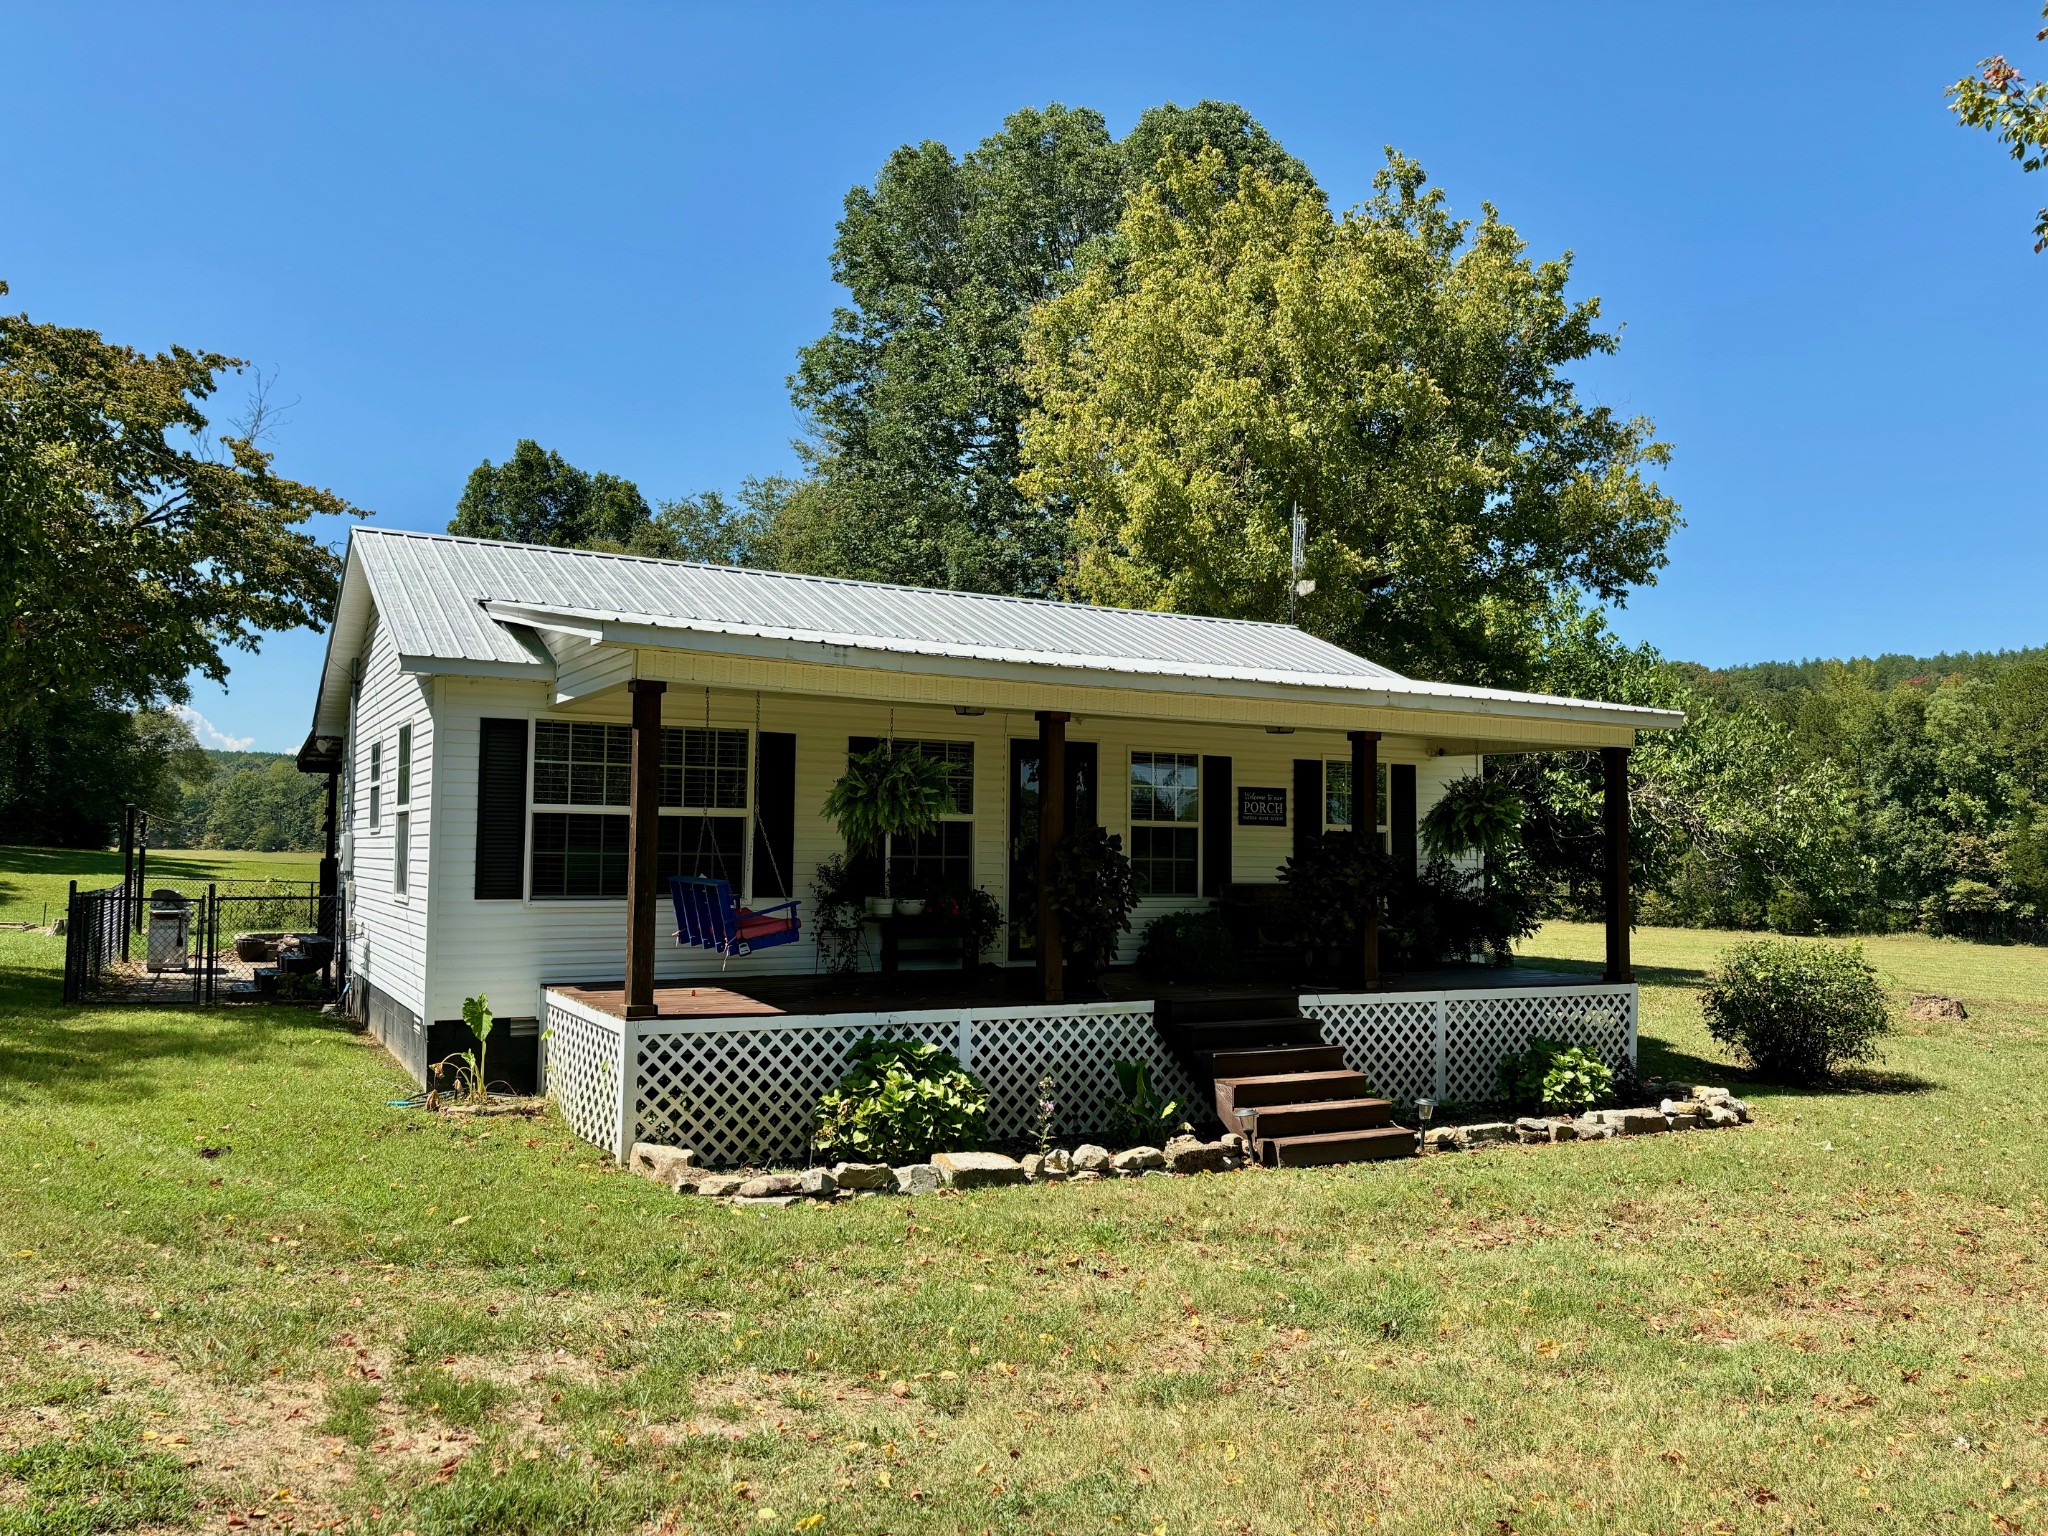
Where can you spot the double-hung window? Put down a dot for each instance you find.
(1337, 799)
(940, 862)
(401, 801)
(376, 785)
(1166, 836)
(582, 791)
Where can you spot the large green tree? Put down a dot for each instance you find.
(538, 497)
(1999, 100)
(913, 397)
(139, 547)
(1399, 376)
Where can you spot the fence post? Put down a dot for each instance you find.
(963, 1041)
(71, 987)
(209, 922)
(1634, 1001)
(629, 1097)
(1443, 1043)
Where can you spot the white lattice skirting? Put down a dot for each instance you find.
(1449, 1045)
(744, 1091)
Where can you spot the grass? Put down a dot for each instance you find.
(376, 1318)
(34, 882)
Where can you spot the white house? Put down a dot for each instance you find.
(483, 703)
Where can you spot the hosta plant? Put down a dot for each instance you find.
(902, 1100)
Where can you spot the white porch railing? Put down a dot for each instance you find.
(746, 1090)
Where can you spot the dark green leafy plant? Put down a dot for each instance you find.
(1474, 815)
(1189, 947)
(1800, 1010)
(1094, 894)
(1137, 1111)
(902, 1099)
(884, 794)
(1555, 1076)
(1331, 881)
(837, 913)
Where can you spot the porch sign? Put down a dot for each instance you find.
(1261, 807)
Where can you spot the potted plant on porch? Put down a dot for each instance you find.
(886, 794)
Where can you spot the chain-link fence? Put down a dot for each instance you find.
(197, 942)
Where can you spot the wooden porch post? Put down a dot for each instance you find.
(1365, 823)
(1620, 906)
(1052, 830)
(643, 818)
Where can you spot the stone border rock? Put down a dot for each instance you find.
(1681, 1108)
(676, 1168)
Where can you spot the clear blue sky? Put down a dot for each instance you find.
(607, 228)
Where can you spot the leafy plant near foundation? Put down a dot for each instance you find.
(471, 1065)
(1555, 1076)
(903, 1099)
(1137, 1111)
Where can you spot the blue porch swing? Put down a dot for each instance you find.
(708, 914)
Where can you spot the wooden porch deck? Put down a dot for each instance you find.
(774, 996)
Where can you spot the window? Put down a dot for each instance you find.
(582, 764)
(376, 787)
(582, 854)
(578, 856)
(401, 853)
(958, 756)
(404, 794)
(1166, 837)
(703, 769)
(935, 863)
(939, 862)
(1337, 797)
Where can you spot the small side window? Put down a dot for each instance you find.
(404, 795)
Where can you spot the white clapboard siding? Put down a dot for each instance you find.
(509, 949)
(391, 947)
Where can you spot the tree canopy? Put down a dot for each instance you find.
(1999, 100)
(139, 548)
(538, 497)
(914, 397)
(1397, 375)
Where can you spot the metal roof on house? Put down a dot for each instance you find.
(450, 601)
(431, 590)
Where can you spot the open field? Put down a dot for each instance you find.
(235, 1286)
(36, 880)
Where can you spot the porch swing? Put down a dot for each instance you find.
(708, 914)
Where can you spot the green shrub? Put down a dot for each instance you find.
(1555, 1076)
(1188, 946)
(1798, 1010)
(902, 1100)
(1137, 1111)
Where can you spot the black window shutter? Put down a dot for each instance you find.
(775, 815)
(1401, 814)
(1216, 823)
(864, 864)
(1308, 802)
(500, 810)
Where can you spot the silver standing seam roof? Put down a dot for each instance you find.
(435, 593)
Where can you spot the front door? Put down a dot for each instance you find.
(1081, 781)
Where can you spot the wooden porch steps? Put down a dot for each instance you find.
(1274, 1078)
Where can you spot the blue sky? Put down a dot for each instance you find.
(607, 228)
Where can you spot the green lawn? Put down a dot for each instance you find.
(37, 880)
(234, 1280)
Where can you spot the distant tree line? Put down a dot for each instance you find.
(1870, 795)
